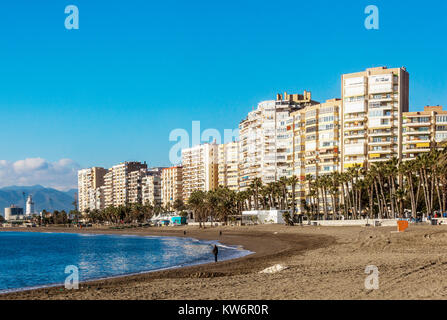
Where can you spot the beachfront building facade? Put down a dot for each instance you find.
(124, 184)
(135, 185)
(121, 188)
(14, 213)
(228, 165)
(423, 131)
(199, 168)
(151, 188)
(171, 185)
(89, 179)
(373, 102)
(264, 139)
(97, 198)
(314, 145)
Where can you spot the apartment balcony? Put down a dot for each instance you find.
(382, 99)
(417, 124)
(354, 119)
(383, 151)
(419, 146)
(381, 143)
(413, 132)
(380, 134)
(387, 106)
(354, 136)
(380, 159)
(413, 141)
(415, 150)
(354, 128)
(381, 126)
(327, 156)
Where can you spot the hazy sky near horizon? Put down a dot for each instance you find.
(113, 90)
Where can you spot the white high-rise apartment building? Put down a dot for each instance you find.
(88, 179)
(373, 103)
(123, 184)
(97, 198)
(265, 139)
(228, 159)
(199, 168)
(120, 183)
(151, 188)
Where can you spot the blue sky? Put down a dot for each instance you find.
(135, 70)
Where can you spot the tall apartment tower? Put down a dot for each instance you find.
(119, 183)
(264, 139)
(423, 131)
(199, 168)
(315, 144)
(171, 185)
(373, 103)
(135, 185)
(151, 187)
(228, 160)
(91, 178)
(97, 198)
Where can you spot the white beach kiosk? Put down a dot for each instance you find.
(263, 217)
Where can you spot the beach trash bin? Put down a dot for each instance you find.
(402, 225)
(434, 222)
(377, 223)
(315, 223)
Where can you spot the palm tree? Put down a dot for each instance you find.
(283, 182)
(293, 181)
(196, 202)
(255, 185)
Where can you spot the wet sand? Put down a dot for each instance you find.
(322, 263)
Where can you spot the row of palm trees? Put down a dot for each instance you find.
(129, 213)
(223, 204)
(384, 190)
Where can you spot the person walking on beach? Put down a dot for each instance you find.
(215, 252)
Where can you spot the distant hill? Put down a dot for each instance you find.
(44, 198)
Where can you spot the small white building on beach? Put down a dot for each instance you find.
(264, 216)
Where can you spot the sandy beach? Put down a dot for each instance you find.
(322, 263)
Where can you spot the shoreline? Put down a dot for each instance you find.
(265, 247)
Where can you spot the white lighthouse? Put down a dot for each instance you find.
(29, 206)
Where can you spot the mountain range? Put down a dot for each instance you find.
(44, 198)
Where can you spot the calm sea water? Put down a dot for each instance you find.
(35, 259)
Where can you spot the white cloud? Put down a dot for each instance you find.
(61, 175)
